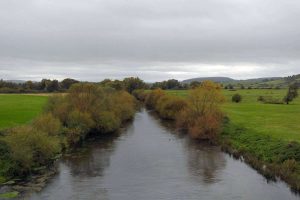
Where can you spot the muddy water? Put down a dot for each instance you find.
(149, 161)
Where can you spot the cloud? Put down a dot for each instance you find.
(156, 40)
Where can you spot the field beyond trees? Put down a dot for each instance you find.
(16, 109)
(277, 120)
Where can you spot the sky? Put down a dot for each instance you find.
(152, 39)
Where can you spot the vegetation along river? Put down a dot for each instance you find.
(151, 161)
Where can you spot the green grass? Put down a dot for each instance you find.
(9, 195)
(278, 121)
(16, 109)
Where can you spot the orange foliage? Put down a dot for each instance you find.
(202, 117)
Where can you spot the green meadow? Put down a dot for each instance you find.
(277, 120)
(16, 109)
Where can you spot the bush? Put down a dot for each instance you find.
(139, 94)
(169, 107)
(236, 98)
(48, 123)
(30, 148)
(269, 100)
(153, 97)
(202, 117)
(79, 125)
(59, 107)
(123, 105)
(107, 122)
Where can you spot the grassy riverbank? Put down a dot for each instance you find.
(267, 135)
(32, 147)
(278, 121)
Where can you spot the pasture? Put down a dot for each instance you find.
(277, 120)
(16, 109)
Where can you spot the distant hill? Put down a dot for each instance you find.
(215, 79)
(265, 82)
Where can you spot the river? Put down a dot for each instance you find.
(149, 161)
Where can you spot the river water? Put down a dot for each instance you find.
(149, 161)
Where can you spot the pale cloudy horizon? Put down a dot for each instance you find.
(155, 40)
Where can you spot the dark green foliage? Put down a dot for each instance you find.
(67, 83)
(195, 84)
(168, 85)
(236, 98)
(45, 85)
(291, 94)
(133, 83)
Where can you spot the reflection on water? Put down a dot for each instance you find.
(150, 160)
(204, 161)
(88, 163)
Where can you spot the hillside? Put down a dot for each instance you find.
(265, 82)
(215, 79)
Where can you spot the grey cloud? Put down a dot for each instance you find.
(94, 39)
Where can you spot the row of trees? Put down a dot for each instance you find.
(199, 114)
(66, 122)
(45, 85)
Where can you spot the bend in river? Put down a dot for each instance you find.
(150, 161)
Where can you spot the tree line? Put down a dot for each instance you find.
(45, 85)
(199, 114)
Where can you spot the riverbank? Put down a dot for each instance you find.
(271, 156)
(67, 121)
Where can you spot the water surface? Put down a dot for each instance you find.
(149, 161)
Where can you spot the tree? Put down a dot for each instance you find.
(203, 117)
(67, 83)
(291, 94)
(133, 83)
(236, 98)
(195, 84)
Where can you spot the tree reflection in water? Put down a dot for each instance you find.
(205, 162)
(92, 160)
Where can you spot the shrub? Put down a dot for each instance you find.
(207, 126)
(123, 105)
(153, 97)
(139, 94)
(202, 117)
(169, 107)
(48, 123)
(81, 121)
(83, 96)
(269, 100)
(107, 122)
(260, 98)
(59, 107)
(236, 98)
(30, 148)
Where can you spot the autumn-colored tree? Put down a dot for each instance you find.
(203, 117)
(153, 97)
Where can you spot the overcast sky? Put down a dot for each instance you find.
(152, 39)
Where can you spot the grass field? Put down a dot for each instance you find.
(279, 121)
(18, 109)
